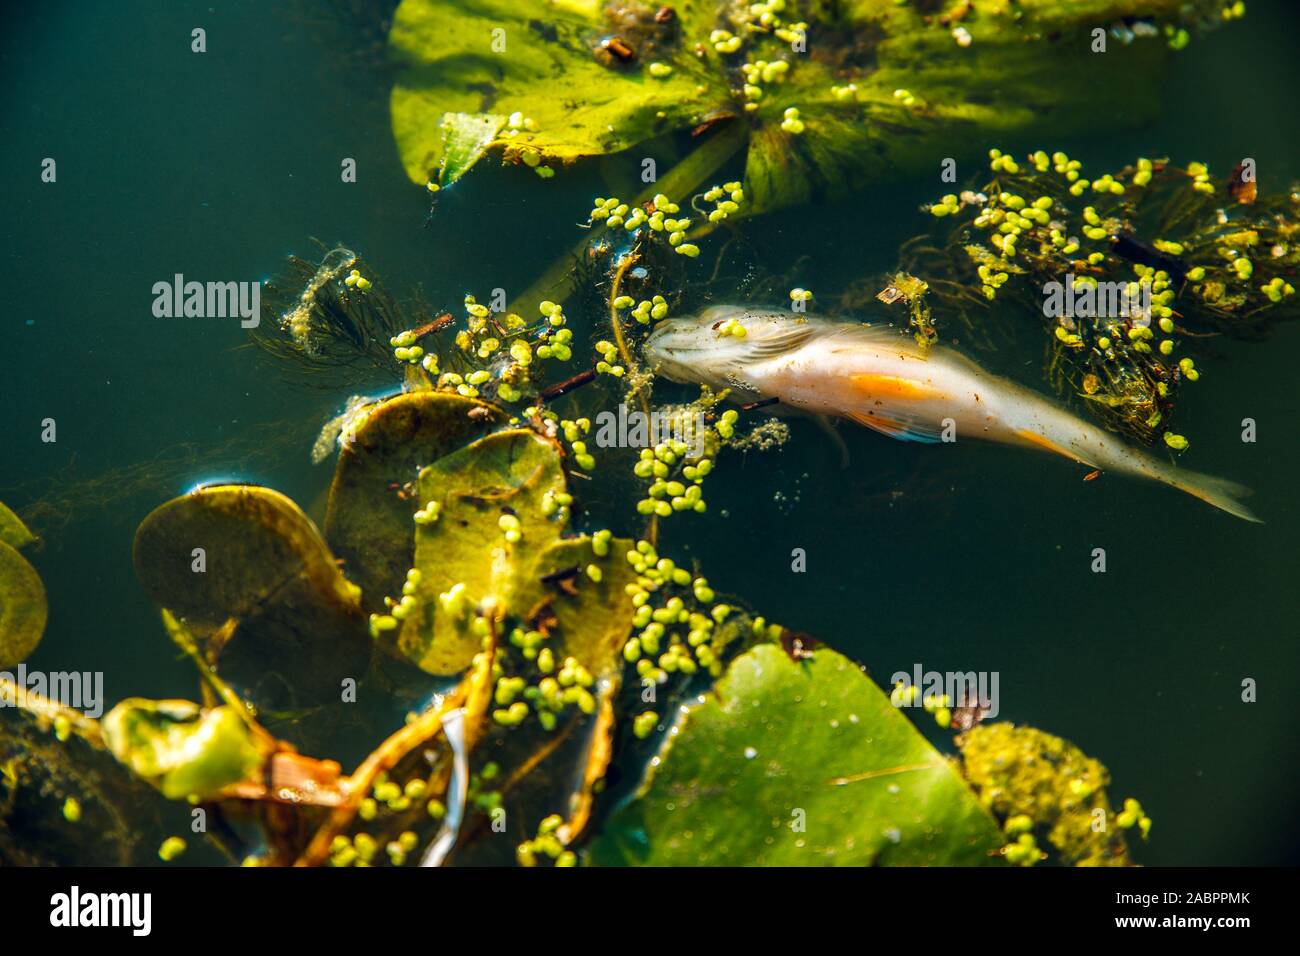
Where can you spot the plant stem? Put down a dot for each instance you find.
(556, 283)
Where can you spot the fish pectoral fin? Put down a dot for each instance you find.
(827, 424)
(778, 342)
(900, 425)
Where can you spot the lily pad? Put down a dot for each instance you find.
(508, 473)
(269, 601)
(880, 88)
(798, 763)
(180, 748)
(367, 524)
(550, 69)
(593, 618)
(12, 530)
(23, 607)
(256, 543)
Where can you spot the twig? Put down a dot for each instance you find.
(552, 392)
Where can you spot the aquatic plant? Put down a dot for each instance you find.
(461, 632)
(825, 96)
(23, 607)
(556, 661)
(1128, 272)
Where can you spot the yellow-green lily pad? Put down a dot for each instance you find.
(798, 763)
(593, 618)
(12, 530)
(508, 473)
(552, 69)
(368, 523)
(23, 607)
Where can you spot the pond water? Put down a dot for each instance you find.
(978, 558)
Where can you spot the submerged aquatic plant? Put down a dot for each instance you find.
(1127, 271)
(333, 319)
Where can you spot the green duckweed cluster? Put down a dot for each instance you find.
(546, 845)
(1192, 255)
(677, 628)
(938, 706)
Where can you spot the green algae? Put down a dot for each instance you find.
(1020, 771)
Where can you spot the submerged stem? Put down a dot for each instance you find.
(556, 283)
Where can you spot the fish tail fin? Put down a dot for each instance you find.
(1223, 494)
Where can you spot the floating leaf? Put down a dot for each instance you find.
(798, 763)
(551, 71)
(881, 87)
(465, 138)
(268, 598)
(182, 749)
(367, 524)
(23, 608)
(508, 473)
(12, 530)
(593, 618)
(256, 543)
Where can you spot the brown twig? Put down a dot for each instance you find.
(552, 392)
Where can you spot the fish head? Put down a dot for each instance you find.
(706, 349)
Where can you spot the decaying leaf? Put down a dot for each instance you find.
(182, 749)
(368, 524)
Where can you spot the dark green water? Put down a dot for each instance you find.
(217, 166)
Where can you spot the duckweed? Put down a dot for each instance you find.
(171, 848)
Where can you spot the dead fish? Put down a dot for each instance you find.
(879, 378)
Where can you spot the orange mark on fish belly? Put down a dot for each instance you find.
(895, 386)
(1046, 444)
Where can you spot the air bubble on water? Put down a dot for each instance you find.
(750, 753)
